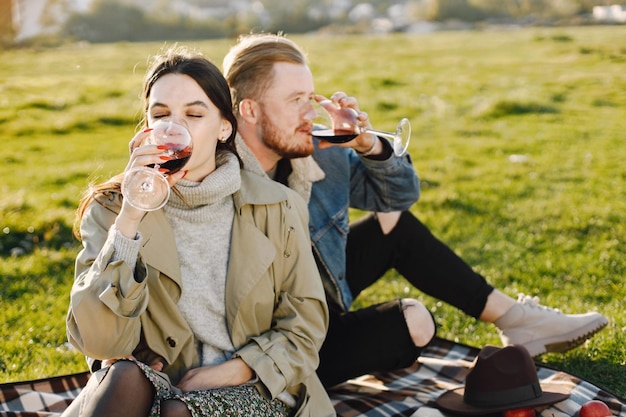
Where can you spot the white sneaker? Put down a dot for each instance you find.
(542, 329)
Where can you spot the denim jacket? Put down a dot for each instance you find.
(356, 182)
(346, 181)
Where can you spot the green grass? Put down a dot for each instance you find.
(518, 138)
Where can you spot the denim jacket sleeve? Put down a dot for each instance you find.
(387, 185)
(372, 185)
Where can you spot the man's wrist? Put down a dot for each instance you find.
(371, 149)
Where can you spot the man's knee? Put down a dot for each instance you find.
(419, 321)
(388, 221)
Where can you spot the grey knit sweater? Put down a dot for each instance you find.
(202, 224)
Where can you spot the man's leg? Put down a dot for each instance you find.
(417, 255)
(524, 321)
(374, 339)
(496, 303)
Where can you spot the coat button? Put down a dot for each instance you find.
(171, 342)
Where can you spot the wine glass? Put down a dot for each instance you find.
(145, 188)
(346, 126)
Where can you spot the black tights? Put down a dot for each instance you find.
(122, 391)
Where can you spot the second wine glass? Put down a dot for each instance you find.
(145, 188)
(345, 126)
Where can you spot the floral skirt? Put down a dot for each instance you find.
(240, 400)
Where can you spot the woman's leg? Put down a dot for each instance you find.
(124, 391)
(174, 408)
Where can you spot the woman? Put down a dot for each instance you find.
(211, 305)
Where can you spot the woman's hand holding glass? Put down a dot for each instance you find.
(158, 155)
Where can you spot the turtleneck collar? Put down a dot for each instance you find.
(222, 182)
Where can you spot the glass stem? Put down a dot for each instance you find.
(387, 135)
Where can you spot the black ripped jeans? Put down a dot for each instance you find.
(377, 338)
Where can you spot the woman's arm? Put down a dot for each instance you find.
(229, 373)
(107, 296)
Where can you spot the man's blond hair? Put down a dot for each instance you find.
(248, 65)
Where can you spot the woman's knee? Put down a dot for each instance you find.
(419, 321)
(120, 390)
(174, 408)
(128, 380)
(126, 371)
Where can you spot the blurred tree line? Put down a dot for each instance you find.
(473, 10)
(114, 20)
(132, 20)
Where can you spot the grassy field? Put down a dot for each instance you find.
(518, 137)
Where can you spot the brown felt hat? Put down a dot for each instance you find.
(501, 379)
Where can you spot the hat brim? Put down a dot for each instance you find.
(452, 401)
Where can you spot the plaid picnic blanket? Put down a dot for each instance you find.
(406, 392)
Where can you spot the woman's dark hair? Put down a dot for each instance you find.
(208, 77)
(205, 73)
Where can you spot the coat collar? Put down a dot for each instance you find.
(257, 189)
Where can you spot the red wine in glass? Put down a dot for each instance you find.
(346, 126)
(334, 136)
(145, 188)
(180, 158)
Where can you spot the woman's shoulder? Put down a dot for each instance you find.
(261, 190)
(98, 209)
(104, 197)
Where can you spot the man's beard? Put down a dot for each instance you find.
(284, 146)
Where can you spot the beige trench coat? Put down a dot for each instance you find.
(275, 305)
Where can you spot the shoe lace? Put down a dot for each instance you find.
(533, 302)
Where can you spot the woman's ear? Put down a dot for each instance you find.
(226, 130)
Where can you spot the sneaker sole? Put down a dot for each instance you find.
(557, 344)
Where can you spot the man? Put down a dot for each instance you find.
(273, 90)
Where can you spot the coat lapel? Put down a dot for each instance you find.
(159, 245)
(245, 272)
